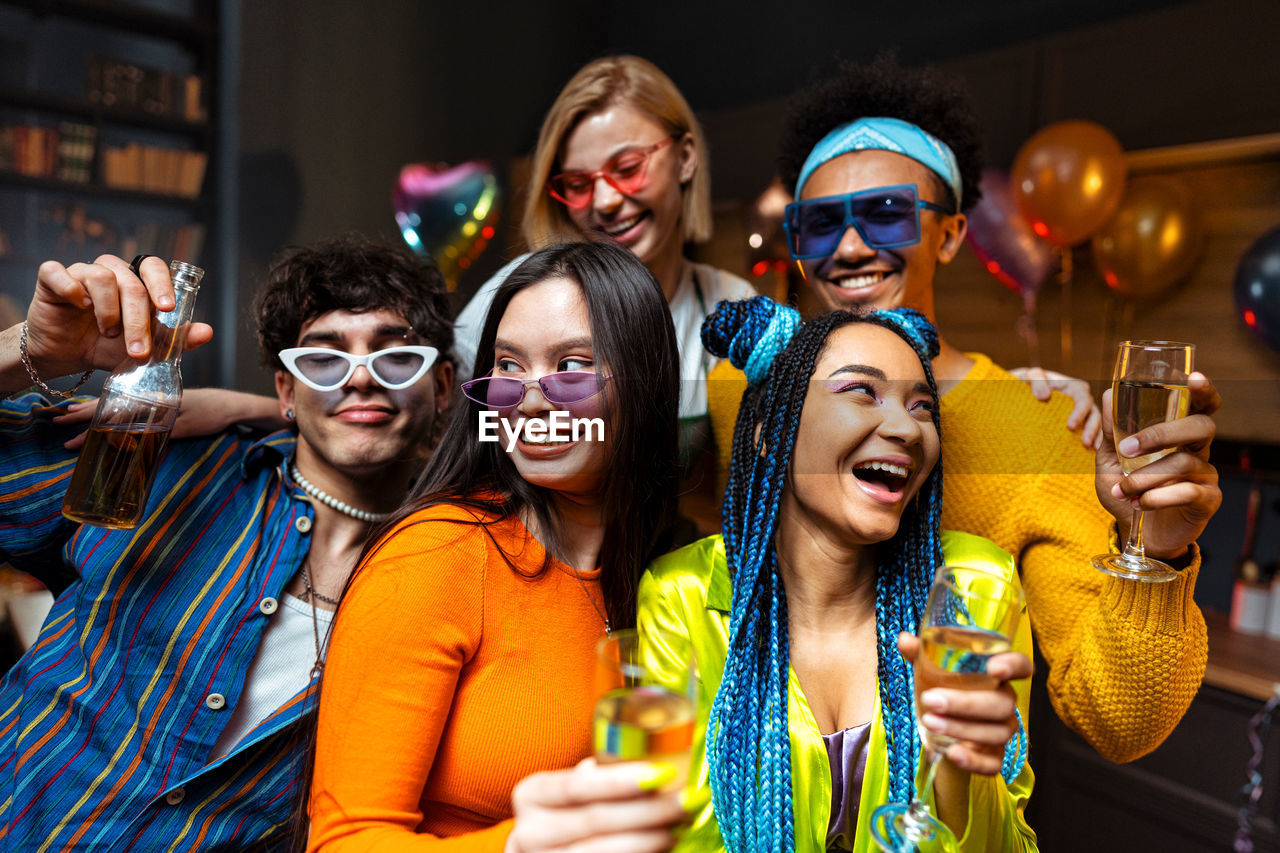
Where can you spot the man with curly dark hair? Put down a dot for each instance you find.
(884, 160)
(165, 703)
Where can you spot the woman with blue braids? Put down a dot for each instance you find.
(801, 616)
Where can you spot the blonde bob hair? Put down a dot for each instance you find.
(599, 85)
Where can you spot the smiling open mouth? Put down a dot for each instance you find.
(882, 478)
(858, 282)
(624, 226)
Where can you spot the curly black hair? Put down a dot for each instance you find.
(349, 273)
(926, 97)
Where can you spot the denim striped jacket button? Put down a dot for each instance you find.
(268, 605)
(175, 796)
(216, 701)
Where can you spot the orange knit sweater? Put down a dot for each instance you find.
(1125, 659)
(449, 679)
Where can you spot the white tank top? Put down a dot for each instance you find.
(281, 668)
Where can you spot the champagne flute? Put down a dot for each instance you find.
(646, 710)
(1149, 387)
(971, 614)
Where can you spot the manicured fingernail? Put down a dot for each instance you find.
(1117, 492)
(694, 800)
(934, 701)
(935, 723)
(1128, 447)
(657, 775)
(136, 348)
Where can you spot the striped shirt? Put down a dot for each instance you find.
(108, 723)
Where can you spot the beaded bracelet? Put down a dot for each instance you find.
(31, 371)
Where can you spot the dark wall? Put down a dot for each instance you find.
(335, 97)
(733, 54)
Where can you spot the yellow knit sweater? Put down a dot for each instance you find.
(1125, 659)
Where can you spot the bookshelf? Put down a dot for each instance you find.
(108, 139)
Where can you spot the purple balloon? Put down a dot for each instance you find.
(1257, 288)
(1004, 242)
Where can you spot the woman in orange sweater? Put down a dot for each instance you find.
(462, 655)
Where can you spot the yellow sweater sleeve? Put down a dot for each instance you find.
(1125, 659)
(725, 384)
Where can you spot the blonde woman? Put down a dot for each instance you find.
(621, 157)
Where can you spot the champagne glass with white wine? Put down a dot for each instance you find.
(1149, 387)
(971, 615)
(645, 710)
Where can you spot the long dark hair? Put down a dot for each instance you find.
(631, 332)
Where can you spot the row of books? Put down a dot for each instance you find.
(171, 171)
(64, 152)
(124, 85)
(68, 229)
(183, 242)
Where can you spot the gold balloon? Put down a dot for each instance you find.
(1152, 242)
(1068, 180)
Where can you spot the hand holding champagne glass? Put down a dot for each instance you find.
(1149, 387)
(971, 615)
(643, 713)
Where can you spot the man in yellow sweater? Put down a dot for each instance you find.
(893, 157)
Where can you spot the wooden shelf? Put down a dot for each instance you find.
(1248, 664)
(19, 181)
(126, 17)
(74, 108)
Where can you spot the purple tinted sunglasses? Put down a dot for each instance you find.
(505, 392)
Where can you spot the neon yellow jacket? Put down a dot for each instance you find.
(688, 594)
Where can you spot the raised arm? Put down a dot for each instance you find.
(87, 316)
(1179, 490)
(205, 411)
(1125, 658)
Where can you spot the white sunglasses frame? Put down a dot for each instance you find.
(290, 356)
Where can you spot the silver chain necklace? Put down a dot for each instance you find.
(608, 628)
(318, 667)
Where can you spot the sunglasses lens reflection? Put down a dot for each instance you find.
(888, 218)
(883, 219)
(395, 368)
(501, 392)
(570, 386)
(495, 391)
(322, 368)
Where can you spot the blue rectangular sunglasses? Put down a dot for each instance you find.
(884, 217)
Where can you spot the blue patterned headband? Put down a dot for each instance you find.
(886, 134)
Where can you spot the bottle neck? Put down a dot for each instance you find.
(169, 328)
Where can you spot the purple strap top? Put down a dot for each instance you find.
(847, 751)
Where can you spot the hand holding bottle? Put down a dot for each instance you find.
(139, 402)
(93, 315)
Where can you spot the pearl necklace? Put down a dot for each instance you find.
(332, 502)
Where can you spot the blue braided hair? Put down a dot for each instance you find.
(748, 748)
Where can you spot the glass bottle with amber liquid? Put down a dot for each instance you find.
(135, 414)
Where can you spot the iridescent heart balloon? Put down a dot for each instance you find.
(447, 212)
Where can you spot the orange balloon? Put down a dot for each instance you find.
(1152, 242)
(1068, 179)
